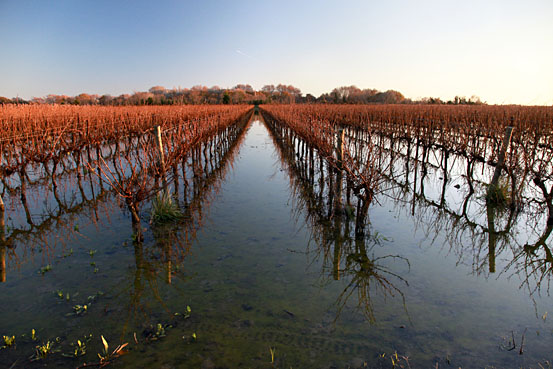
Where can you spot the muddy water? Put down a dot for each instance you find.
(262, 288)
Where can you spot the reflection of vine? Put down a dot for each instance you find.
(418, 174)
(476, 229)
(145, 272)
(3, 244)
(367, 276)
(128, 167)
(535, 261)
(175, 239)
(172, 241)
(56, 229)
(337, 216)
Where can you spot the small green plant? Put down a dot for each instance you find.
(80, 309)
(164, 209)
(68, 254)
(185, 315)
(92, 252)
(397, 361)
(78, 350)
(62, 296)
(378, 238)
(95, 297)
(106, 356)
(45, 269)
(105, 352)
(44, 350)
(272, 351)
(190, 339)
(8, 341)
(160, 331)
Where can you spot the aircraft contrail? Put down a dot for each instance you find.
(243, 53)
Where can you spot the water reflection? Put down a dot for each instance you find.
(201, 174)
(139, 277)
(339, 225)
(446, 197)
(353, 255)
(46, 203)
(443, 192)
(3, 244)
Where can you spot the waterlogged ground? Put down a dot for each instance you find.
(254, 289)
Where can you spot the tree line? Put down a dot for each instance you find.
(239, 94)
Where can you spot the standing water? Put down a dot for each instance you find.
(260, 273)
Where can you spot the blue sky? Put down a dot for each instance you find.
(499, 50)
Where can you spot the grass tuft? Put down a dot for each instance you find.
(499, 195)
(165, 209)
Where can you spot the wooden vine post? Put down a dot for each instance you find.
(161, 155)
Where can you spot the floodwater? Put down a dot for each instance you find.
(261, 273)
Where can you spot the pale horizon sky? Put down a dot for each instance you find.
(498, 50)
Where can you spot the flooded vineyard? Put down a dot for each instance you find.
(279, 236)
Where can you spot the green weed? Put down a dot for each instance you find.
(106, 356)
(45, 269)
(44, 350)
(78, 350)
(272, 351)
(160, 331)
(164, 209)
(8, 341)
(80, 309)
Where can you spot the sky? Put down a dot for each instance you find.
(498, 50)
